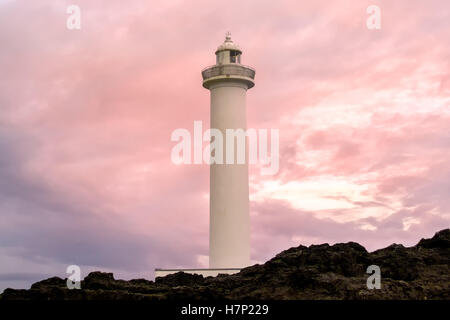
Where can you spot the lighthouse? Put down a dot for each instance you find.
(229, 231)
(229, 226)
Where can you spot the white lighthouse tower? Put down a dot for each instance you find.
(228, 81)
(229, 232)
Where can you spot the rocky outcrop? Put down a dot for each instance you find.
(315, 272)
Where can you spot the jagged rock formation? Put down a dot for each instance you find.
(315, 272)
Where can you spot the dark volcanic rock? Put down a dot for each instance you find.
(99, 280)
(180, 279)
(50, 282)
(315, 272)
(440, 240)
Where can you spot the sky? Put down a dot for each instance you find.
(86, 117)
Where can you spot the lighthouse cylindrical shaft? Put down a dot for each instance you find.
(229, 195)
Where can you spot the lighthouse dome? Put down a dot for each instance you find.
(228, 44)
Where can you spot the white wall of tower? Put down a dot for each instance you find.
(229, 191)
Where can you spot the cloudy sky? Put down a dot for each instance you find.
(86, 117)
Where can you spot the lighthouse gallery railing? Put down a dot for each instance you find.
(228, 69)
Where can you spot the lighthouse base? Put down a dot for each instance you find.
(204, 272)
